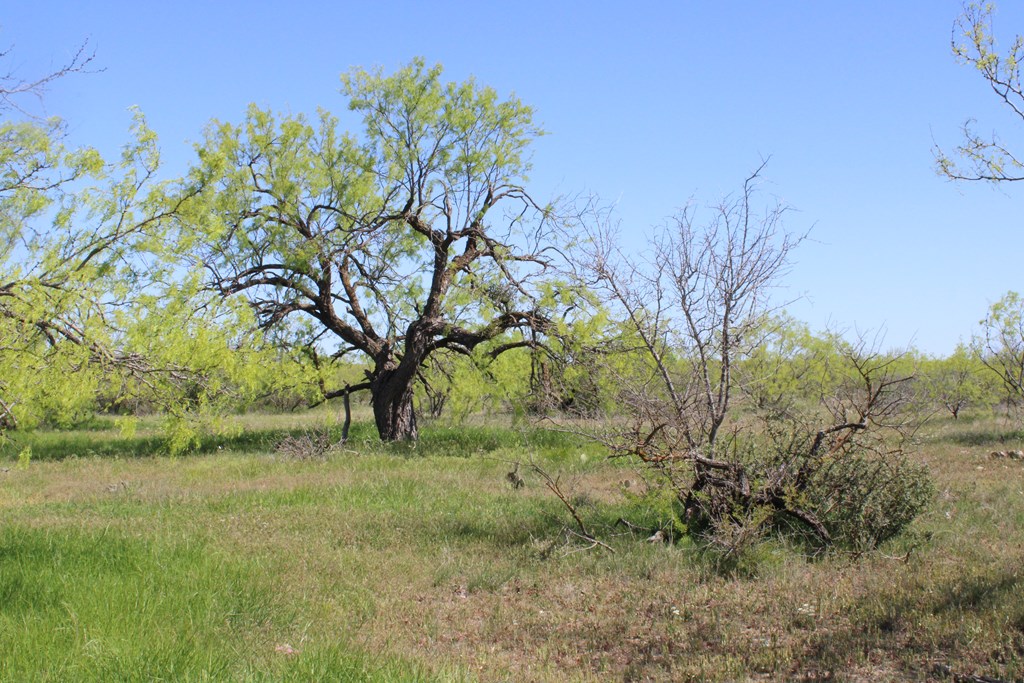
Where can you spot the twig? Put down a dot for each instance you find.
(553, 485)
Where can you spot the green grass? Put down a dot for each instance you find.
(101, 437)
(421, 563)
(103, 606)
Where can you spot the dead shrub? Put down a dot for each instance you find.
(311, 444)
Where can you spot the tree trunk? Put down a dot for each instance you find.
(391, 397)
(348, 418)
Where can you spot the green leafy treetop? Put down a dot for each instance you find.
(1000, 344)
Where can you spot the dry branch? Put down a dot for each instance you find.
(554, 485)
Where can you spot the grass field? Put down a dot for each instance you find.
(417, 563)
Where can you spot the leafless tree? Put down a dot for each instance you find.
(700, 304)
(697, 302)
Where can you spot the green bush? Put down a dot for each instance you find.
(865, 498)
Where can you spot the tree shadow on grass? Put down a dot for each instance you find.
(889, 623)
(58, 445)
(525, 528)
(979, 593)
(468, 440)
(101, 440)
(992, 437)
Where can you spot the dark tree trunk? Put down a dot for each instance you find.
(391, 397)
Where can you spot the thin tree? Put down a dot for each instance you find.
(1000, 344)
(698, 302)
(15, 89)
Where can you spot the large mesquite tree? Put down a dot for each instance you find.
(414, 237)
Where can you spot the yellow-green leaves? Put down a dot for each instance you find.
(974, 43)
(378, 242)
(1000, 343)
(94, 305)
(441, 137)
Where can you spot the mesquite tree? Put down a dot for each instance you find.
(91, 301)
(415, 237)
(1000, 344)
(697, 302)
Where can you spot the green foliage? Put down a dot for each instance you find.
(659, 504)
(316, 188)
(556, 375)
(383, 244)
(456, 387)
(93, 299)
(483, 137)
(974, 43)
(865, 498)
(792, 368)
(39, 377)
(1000, 344)
(959, 381)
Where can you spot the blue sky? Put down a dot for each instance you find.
(648, 105)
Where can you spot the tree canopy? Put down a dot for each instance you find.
(91, 299)
(414, 237)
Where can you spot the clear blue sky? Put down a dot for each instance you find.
(648, 105)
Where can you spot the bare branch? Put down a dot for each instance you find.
(554, 485)
(13, 88)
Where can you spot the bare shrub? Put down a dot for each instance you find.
(699, 307)
(311, 444)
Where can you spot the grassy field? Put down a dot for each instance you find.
(404, 563)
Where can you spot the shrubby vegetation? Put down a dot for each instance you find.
(749, 423)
